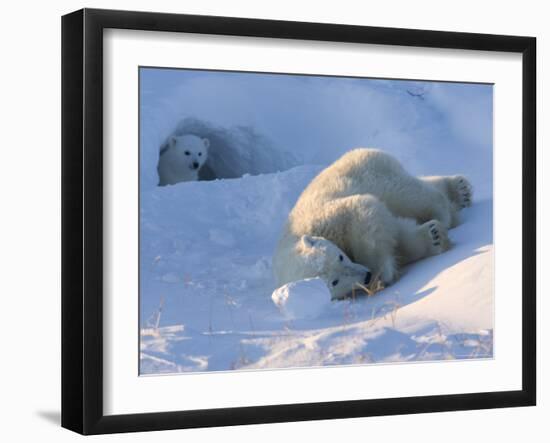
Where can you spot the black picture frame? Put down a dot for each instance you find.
(82, 220)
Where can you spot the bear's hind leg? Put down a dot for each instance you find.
(456, 188)
(419, 241)
(415, 199)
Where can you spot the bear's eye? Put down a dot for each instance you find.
(335, 282)
(200, 153)
(187, 153)
(341, 257)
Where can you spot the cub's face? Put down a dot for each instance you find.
(327, 261)
(191, 151)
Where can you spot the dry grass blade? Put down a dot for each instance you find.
(376, 285)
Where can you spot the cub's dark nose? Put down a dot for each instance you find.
(367, 278)
(195, 165)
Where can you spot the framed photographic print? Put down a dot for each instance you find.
(269, 221)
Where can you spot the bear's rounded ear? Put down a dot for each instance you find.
(172, 141)
(206, 142)
(308, 241)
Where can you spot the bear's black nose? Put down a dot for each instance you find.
(367, 278)
(195, 165)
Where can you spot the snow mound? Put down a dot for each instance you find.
(302, 299)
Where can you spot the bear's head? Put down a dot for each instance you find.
(191, 151)
(327, 261)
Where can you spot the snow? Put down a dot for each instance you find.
(302, 299)
(208, 301)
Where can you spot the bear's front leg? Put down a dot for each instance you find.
(372, 236)
(388, 272)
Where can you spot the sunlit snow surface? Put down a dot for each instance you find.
(206, 281)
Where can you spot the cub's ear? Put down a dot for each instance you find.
(308, 241)
(206, 143)
(172, 141)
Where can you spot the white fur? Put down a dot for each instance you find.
(182, 158)
(368, 209)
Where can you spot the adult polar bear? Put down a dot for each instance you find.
(365, 215)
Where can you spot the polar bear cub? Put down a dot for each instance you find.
(363, 217)
(181, 159)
